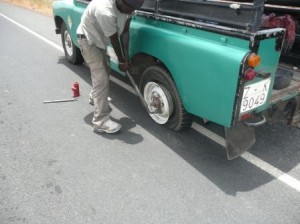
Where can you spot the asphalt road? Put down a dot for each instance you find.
(55, 169)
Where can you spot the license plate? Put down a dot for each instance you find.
(255, 95)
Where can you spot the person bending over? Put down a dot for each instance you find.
(105, 22)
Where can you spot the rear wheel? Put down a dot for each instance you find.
(72, 53)
(162, 97)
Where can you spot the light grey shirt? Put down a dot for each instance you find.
(101, 20)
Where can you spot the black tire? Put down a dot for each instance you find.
(178, 118)
(72, 53)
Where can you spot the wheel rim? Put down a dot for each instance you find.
(158, 100)
(68, 43)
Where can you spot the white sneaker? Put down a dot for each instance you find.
(108, 126)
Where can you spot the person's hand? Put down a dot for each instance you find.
(124, 66)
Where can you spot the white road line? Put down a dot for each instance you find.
(123, 85)
(211, 135)
(58, 47)
(278, 174)
(273, 171)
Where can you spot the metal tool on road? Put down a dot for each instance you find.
(139, 93)
(60, 101)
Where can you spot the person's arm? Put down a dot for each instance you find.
(120, 45)
(115, 42)
(125, 39)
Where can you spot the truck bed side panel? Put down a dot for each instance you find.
(204, 65)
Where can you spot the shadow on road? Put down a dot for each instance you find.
(125, 135)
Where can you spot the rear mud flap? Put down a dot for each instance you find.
(238, 139)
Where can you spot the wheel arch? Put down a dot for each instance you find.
(141, 61)
(58, 22)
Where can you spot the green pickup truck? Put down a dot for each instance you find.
(203, 59)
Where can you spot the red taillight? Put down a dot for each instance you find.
(245, 116)
(249, 74)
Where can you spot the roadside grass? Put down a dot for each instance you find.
(42, 6)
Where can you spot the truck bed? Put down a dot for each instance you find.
(295, 83)
(240, 16)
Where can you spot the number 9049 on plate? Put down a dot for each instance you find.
(255, 95)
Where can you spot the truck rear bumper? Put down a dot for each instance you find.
(296, 116)
(286, 104)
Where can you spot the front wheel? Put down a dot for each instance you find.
(72, 53)
(162, 97)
